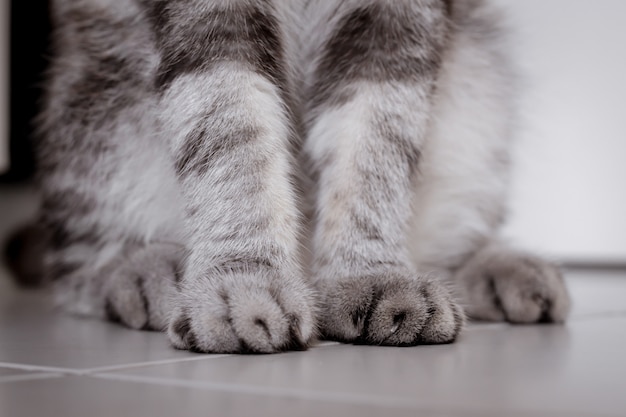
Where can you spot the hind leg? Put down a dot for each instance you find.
(460, 200)
(107, 185)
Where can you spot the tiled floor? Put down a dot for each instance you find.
(55, 365)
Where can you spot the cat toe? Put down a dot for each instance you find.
(391, 309)
(127, 303)
(443, 319)
(249, 313)
(263, 324)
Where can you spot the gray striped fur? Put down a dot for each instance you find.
(248, 175)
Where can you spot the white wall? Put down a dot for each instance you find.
(4, 93)
(569, 198)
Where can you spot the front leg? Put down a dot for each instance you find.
(370, 98)
(224, 84)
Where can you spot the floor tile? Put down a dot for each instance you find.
(577, 368)
(597, 293)
(4, 372)
(34, 333)
(85, 396)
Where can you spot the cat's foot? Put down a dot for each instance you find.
(243, 310)
(396, 309)
(139, 290)
(499, 284)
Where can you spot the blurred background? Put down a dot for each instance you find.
(569, 196)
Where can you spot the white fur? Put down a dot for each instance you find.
(462, 191)
(258, 103)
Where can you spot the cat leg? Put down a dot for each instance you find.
(110, 201)
(100, 270)
(460, 200)
(369, 104)
(224, 82)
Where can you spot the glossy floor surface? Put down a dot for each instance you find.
(55, 365)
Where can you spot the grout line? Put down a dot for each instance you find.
(87, 371)
(29, 377)
(111, 368)
(31, 368)
(200, 357)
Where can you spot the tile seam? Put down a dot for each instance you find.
(39, 368)
(29, 377)
(344, 398)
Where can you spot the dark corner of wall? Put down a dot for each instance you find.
(29, 29)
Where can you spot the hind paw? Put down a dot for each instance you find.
(138, 291)
(504, 285)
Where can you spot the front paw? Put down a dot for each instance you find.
(389, 308)
(499, 284)
(247, 311)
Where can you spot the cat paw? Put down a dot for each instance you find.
(246, 311)
(138, 291)
(389, 309)
(504, 285)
